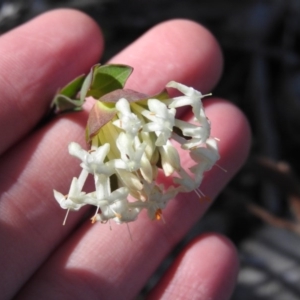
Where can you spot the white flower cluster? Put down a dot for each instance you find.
(129, 151)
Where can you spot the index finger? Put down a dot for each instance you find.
(35, 60)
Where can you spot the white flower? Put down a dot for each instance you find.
(130, 148)
(131, 181)
(156, 199)
(147, 138)
(199, 134)
(162, 120)
(198, 170)
(206, 156)
(191, 97)
(113, 205)
(75, 198)
(185, 182)
(127, 121)
(169, 158)
(92, 161)
(131, 156)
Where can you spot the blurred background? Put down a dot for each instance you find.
(260, 209)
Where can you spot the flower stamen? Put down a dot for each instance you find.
(66, 216)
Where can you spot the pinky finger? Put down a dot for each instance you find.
(207, 269)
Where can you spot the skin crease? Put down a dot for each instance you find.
(178, 282)
(84, 261)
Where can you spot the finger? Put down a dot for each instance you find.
(206, 269)
(49, 51)
(35, 60)
(96, 259)
(177, 50)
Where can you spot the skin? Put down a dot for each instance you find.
(40, 258)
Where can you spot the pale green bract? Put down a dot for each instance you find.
(132, 147)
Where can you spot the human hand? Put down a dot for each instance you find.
(40, 258)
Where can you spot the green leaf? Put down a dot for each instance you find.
(64, 104)
(87, 83)
(100, 81)
(71, 89)
(108, 78)
(67, 98)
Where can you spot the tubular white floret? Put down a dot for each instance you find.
(128, 152)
